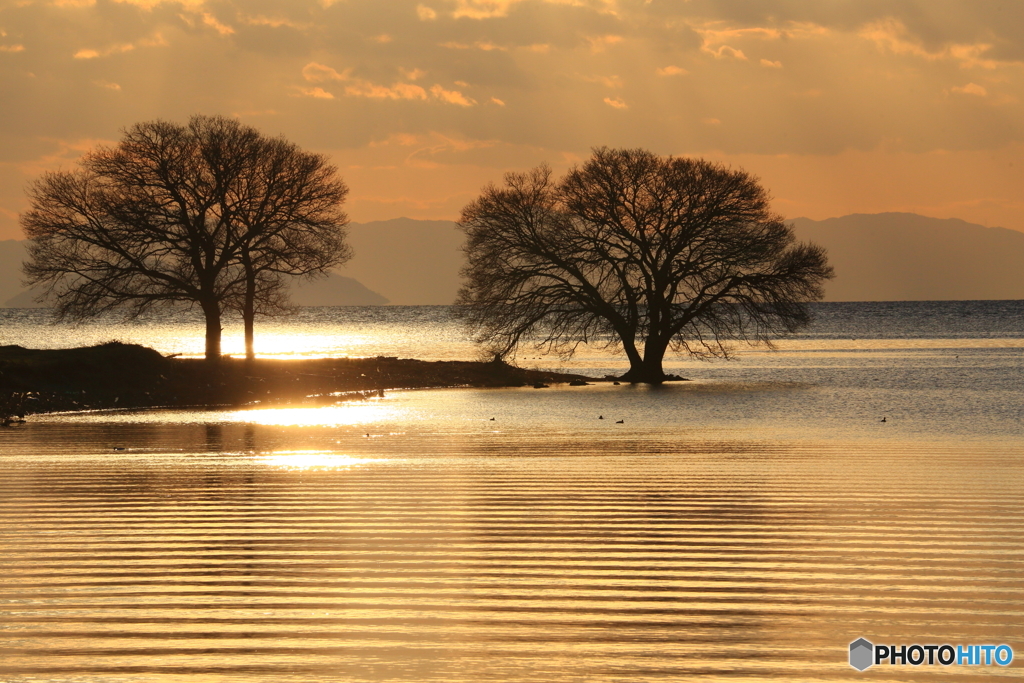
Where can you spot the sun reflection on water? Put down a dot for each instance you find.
(313, 460)
(323, 416)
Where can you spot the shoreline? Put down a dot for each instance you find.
(117, 375)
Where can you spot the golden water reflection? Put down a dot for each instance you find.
(313, 460)
(351, 413)
(628, 559)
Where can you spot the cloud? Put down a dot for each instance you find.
(491, 9)
(398, 91)
(525, 75)
(724, 51)
(451, 96)
(316, 93)
(971, 89)
(112, 50)
(482, 9)
(413, 74)
(606, 81)
(361, 87)
(155, 40)
(672, 70)
(319, 73)
(602, 43)
(272, 22)
(486, 46)
(891, 35)
(216, 25)
(144, 4)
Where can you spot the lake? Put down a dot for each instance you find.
(747, 524)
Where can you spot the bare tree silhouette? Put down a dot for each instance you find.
(637, 251)
(210, 214)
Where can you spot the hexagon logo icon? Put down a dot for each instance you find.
(861, 652)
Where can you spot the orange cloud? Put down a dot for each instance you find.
(486, 46)
(398, 91)
(317, 93)
(724, 51)
(602, 43)
(273, 22)
(672, 71)
(357, 87)
(155, 40)
(112, 50)
(971, 89)
(606, 81)
(451, 96)
(892, 36)
(412, 74)
(617, 103)
(318, 73)
(216, 25)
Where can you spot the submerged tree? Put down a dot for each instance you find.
(634, 250)
(211, 214)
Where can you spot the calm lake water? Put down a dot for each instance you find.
(748, 524)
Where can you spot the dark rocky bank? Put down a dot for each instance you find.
(117, 375)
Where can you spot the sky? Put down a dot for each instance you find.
(839, 106)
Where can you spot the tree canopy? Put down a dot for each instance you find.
(634, 250)
(210, 214)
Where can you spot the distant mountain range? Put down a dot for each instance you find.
(877, 257)
(906, 257)
(324, 291)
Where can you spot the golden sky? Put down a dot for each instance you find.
(840, 106)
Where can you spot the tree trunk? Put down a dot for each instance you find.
(249, 307)
(249, 319)
(211, 309)
(648, 370)
(632, 353)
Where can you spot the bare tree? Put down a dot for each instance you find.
(634, 250)
(292, 223)
(173, 213)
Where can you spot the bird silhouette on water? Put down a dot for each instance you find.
(620, 422)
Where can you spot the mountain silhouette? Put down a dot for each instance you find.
(877, 257)
(411, 262)
(907, 257)
(333, 289)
